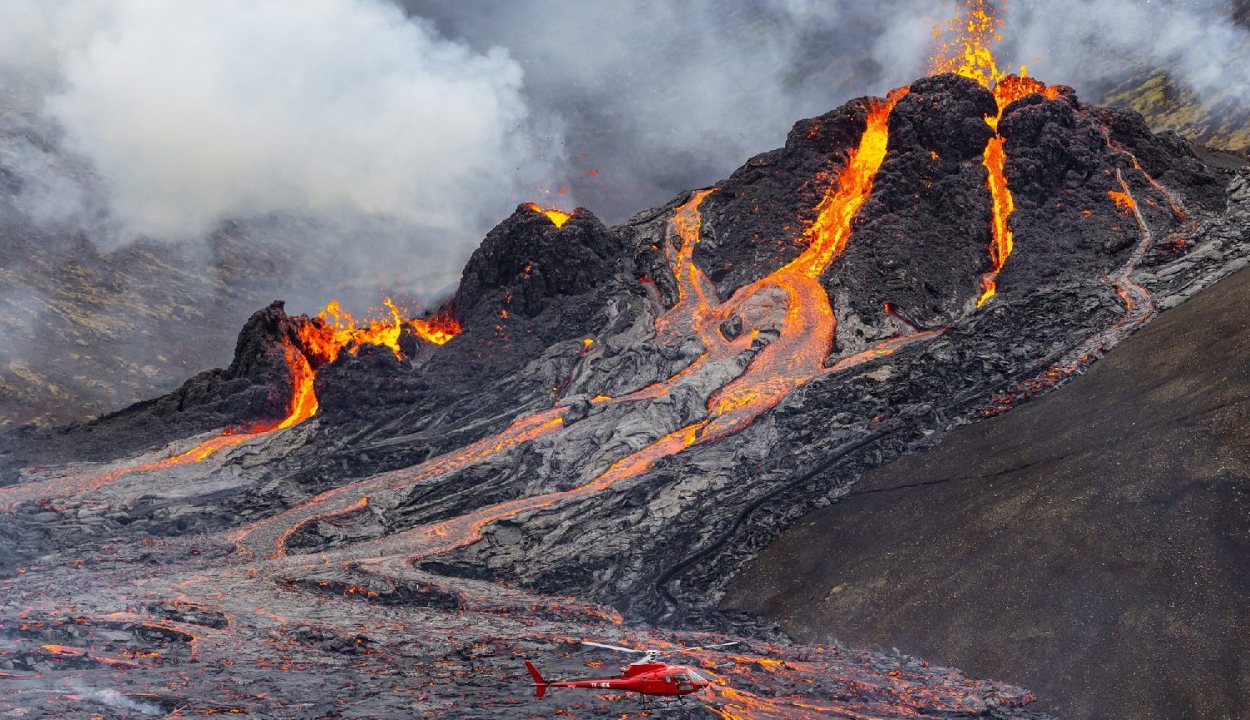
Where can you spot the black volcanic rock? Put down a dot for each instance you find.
(356, 385)
(255, 387)
(1064, 159)
(944, 114)
(921, 238)
(578, 438)
(1167, 156)
(526, 262)
(753, 223)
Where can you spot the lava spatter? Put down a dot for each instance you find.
(556, 216)
(319, 342)
(969, 55)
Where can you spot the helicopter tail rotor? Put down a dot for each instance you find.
(540, 684)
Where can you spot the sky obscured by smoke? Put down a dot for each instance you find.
(163, 120)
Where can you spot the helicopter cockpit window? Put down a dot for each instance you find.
(681, 678)
(697, 677)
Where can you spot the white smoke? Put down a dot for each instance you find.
(191, 113)
(113, 698)
(665, 96)
(368, 145)
(1093, 42)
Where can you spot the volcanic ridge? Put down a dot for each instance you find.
(601, 425)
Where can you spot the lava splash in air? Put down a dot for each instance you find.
(969, 55)
(557, 217)
(319, 342)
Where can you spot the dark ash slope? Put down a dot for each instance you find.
(1094, 545)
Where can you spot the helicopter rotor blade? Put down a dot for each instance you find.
(615, 647)
(704, 647)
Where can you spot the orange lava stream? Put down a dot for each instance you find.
(1138, 308)
(267, 538)
(975, 29)
(1003, 205)
(1006, 91)
(903, 696)
(828, 235)
(322, 340)
(558, 217)
(789, 302)
(1172, 202)
(303, 396)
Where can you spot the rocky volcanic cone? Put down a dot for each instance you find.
(624, 415)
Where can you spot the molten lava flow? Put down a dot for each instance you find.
(1138, 308)
(1119, 148)
(558, 217)
(976, 28)
(1002, 205)
(335, 329)
(303, 396)
(268, 537)
(827, 236)
(437, 329)
(303, 405)
(320, 342)
(1123, 200)
(789, 302)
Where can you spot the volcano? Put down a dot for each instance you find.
(602, 424)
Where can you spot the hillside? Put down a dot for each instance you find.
(1094, 545)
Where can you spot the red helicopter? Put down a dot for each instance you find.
(646, 675)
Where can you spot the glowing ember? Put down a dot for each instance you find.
(975, 27)
(558, 217)
(1123, 200)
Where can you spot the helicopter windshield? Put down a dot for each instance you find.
(681, 677)
(697, 677)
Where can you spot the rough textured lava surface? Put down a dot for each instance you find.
(621, 417)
